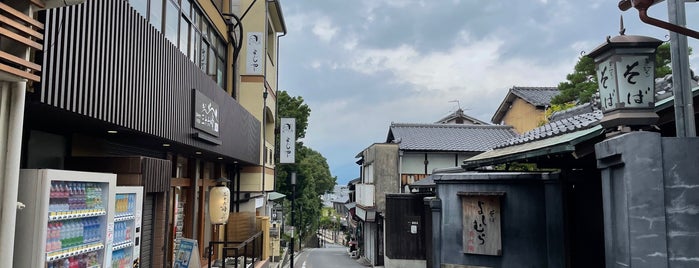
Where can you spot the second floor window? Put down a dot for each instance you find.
(185, 26)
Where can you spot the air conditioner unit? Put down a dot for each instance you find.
(61, 3)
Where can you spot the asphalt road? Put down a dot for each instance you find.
(330, 256)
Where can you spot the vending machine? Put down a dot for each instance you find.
(67, 221)
(126, 248)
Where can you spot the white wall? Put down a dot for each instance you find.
(413, 163)
(399, 263)
(370, 233)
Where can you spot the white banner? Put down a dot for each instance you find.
(255, 53)
(287, 143)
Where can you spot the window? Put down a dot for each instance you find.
(185, 26)
(140, 6)
(172, 15)
(369, 174)
(156, 14)
(195, 43)
(184, 35)
(270, 44)
(203, 55)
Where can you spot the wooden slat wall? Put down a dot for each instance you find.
(156, 174)
(147, 232)
(104, 60)
(401, 210)
(25, 31)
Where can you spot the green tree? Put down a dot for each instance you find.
(313, 177)
(582, 83)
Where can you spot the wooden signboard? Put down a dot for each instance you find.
(481, 223)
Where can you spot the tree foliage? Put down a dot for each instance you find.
(581, 84)
(313, 176)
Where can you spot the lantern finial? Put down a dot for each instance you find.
(622, 30)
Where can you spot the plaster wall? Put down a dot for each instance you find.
(680, 160)
(384, 159)
(651, 200)
(528, 231)
(404, 263)
(523, 116)
(414, 163)
(440, 160)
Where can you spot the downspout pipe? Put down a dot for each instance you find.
(12, 101)
(643, 15)
(684, 104)
(276, 93)
(12, 107)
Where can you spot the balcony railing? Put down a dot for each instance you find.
(365, 195)
(27, 32)
(244, 253)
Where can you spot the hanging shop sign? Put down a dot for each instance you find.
(205, 113)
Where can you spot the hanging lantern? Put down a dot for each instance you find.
(219, 202)
(625, 67)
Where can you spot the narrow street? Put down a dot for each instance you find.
(331, 255)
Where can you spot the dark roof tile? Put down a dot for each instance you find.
(442, 137)
(537, 96)
(555, 128)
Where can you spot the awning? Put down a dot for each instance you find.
(555, 145)
(273, 196)
(366, 214)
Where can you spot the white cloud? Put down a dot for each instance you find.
(475, 67)
(350, 43)
(323, 28)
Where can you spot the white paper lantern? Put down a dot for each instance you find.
(219, 204)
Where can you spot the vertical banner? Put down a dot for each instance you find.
(255, 53)
(287, 150)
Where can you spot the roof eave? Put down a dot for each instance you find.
(278, 18)
(502, 109)
(559, 148)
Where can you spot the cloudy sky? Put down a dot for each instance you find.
(362, 64)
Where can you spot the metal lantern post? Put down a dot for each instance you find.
(293, 197)
(625, 67)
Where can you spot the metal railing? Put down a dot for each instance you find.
(250, 248)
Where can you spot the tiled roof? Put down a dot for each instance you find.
(460, 114)
(537, 96)
(443, 137)
(573, 111)
(555, 128)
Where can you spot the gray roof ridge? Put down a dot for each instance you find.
(437, 125)
(535, 88)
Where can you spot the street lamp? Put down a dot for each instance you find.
(219, 202)
(625, 67)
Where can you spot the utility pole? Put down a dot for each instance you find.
(293, 197)
(684, 109)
